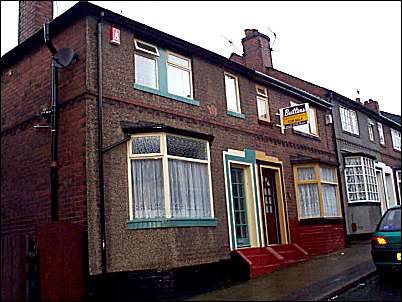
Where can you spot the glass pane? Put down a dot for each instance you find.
(146, 47)
(309, 202)
(147, 188)
(262, 108)
(145, 71)
(189, 189)
(328, 174)
(179, 61)
(179, 81)
(312, 121)
(146, 144)
(330, 200)
(186, 147)
(306, 174)
(231, 94)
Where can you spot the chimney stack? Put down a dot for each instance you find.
(256, 51)
(358, 100)
(32, 16)
(372, 105)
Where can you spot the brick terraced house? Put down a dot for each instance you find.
(169, 170)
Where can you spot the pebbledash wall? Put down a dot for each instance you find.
(25, 152)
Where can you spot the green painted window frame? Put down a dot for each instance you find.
(163, 82)
(136, 224)
(236, 114)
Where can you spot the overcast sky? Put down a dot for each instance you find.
(343, 46)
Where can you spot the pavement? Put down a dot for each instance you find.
(317, 279)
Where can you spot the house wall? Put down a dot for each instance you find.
(25, 153)
(170, 247)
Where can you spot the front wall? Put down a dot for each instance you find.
(164, 248)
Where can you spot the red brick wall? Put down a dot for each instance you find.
(25, 152)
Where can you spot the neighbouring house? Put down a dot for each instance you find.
(169, 169)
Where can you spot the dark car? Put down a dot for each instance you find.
(386, 241)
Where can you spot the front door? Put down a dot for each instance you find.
(240, 206)
(270, 206)
(381, 191)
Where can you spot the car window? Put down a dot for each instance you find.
(391, 221)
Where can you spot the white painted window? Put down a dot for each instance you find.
(145, 64)
(361, 183)
(311, 127)
(370, 127)
(396, 139)
(398, 182)
(262, 103)
(349, 120)
(179, 75)
(169, 177)
(381, 133)
(232, 93)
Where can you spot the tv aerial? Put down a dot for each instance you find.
(272, 46)
(231, 43)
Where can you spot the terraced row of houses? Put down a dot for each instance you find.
(170, 170)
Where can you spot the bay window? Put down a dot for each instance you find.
(169, 178)
(317, 192)
(361, 183)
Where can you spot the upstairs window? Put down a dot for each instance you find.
(179, 75)
(232, 93)
(311, 127)
(381, 134)
(396, 139)
(370, 126)
(361, 182)
(262, 103)
(146, 67)
(349, 120)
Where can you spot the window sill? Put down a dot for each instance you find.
(167, 95)
(265, 123)
(351, 133)
(320, 220)
(312, 136)
(171, 223)
(236, 114)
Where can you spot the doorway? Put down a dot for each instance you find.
(272, 206)
(381, 191)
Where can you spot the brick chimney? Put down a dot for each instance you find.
(32, 16)
(372, 105)
(256, 51)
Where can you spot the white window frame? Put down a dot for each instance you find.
(396, 138)
(349, 120)
(145, 53)
(398, 183)
(226, 74)
(365, 175)
(370, 129)
(381, 133)
(165, 168)
(188, 69)
(262, 97)
(139, 48)
(311, 111)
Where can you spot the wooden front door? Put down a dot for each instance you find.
(239, 206)
(270, 206)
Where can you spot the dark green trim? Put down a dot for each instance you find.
(236, 114)
(171, 223)
(167, 95)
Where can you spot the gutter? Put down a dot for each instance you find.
(100, 144)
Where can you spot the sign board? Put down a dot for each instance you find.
(114, 35)
(294, 115)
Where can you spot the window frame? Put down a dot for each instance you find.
(398, 183)
(318, 182)
(138, 48)
(314, 134)
(263, 98)
(370, 129)
(381, 136)
(148, 56)
(366, 191)
(165, 171)
(238, 105)
(344, 124)
(189, 70)
(394, 136)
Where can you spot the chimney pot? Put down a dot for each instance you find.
(358, 100)
(372, 105)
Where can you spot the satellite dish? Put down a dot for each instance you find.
(64, 57)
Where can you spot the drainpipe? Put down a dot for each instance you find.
(100, 145)
(53, 128)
